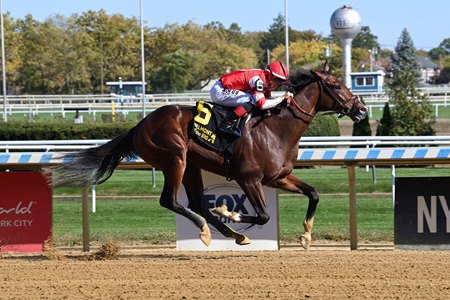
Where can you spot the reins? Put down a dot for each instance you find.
(301, 109)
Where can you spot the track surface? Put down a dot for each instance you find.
(286, 274)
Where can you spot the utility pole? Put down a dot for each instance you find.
(5, 117)
(286, 32)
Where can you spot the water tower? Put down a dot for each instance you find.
(346, 24)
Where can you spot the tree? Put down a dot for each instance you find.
(362, 128)
(445, 45)
(405, 68)
(386, 123)
(302, 54)
(412, 113)
(42, 49)
(271, 39)
(365, 39)
(437, 53)
(444, 77)
(202, 53)
(173, 75)
(13, 59)
(276, 35)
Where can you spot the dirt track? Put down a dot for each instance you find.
(287, 274)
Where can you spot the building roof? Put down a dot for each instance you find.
(426, 63)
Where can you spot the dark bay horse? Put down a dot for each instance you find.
(264, 154)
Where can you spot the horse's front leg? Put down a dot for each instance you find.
(255, 194)
(293, 184)
(193, 184)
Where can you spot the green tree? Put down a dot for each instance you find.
(437, 53)
(302, 54)
(405, 68)
(445, 45)
(276, 35)
(412, 113)
(444, 76)
(272, 38)
(173, 74)
(114, 43)
(207, 53)
(365, 39)
(13, 59)
(386, 123)
(362, 128)
(42, 56)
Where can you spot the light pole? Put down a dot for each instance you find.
(5, 117)
(286, 32)
(142, 59)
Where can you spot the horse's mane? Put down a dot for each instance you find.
(299, 80)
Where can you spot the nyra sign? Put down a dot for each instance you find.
(422, 213)
(217, 192)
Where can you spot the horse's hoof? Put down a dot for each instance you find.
(221, 210)
(235, 217)
(205, 235)
(243, 240)
(305, 242)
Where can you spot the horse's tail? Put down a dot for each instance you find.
(94, 165)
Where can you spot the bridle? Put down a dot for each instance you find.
(340, 105)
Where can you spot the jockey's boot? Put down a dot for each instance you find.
(231, 124)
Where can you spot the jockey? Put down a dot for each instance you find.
(244, 89)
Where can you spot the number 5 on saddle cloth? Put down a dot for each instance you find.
(205, 127)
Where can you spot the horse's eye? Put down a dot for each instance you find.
(337, 86)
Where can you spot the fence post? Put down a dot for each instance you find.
(85, 214)
(352, 207)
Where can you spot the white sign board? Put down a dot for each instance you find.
(218, 191)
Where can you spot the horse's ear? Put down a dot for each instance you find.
(326, 67)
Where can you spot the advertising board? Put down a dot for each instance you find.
(25, 211)
(421, 213)
(218, 191)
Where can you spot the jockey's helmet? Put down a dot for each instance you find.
(278, 70)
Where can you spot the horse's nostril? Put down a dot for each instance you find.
(363, 109)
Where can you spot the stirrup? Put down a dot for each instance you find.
(230, 128)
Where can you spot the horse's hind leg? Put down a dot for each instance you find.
(193, 185)
(172, 181)
(293, 184)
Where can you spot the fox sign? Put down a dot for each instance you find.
(217, 192)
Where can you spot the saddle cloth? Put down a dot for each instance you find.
(205, 127)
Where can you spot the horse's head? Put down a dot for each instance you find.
(335, 97)
(340, 99)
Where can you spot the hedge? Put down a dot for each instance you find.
(323, 125)
(14, 131)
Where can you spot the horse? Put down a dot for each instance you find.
(264, 155)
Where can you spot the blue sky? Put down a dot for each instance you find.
(428, 22)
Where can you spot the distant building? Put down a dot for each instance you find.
(429, 70)
(125, 90)
(367, 81)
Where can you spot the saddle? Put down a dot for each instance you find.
(205, 128)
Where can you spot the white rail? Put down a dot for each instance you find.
(305, 142)
(33, 105)
(348, 157)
